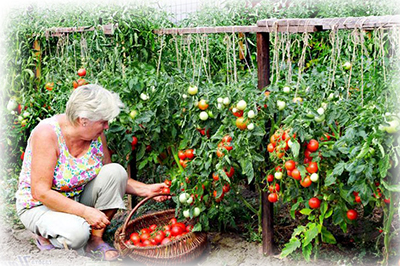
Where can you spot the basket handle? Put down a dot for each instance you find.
(122, 235)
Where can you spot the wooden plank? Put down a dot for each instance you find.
(234, 29)
(57, 32)
(339, 23)
(263, 70)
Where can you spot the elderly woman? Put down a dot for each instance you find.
(68, 188)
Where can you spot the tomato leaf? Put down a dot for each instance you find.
(393, 188)
(290, 247)
(327, 236)
(295, 148)
(384, 165)
(307, 251)
(310, 234)
(306, 211)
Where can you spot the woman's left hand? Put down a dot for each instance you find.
(155, 189)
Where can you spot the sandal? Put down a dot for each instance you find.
(44, 246)
(100, 252)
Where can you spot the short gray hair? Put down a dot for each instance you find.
(94, 103)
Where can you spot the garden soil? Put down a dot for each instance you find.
(17, 248)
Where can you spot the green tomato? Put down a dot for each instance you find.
(314, 177)
(196, 211)
(203, 116)
(393, 127)
(186, 213)
(133, 114)
(241, 105)
(278, 175)
(319, 118)
(189, 200)
(281, 105)
(183, 197)
(347, 66)
(192, 90)
(286, 89)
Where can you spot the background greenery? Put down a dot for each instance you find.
(135, 61)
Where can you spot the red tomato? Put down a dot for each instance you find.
(270, 178)
(147, 243)
(312, 145)
(278, 169)
(307, 160)
(167, 182)
(167, 227)
(307, 154)
(173, 221)
(220, 153)
(314, 203)
(135, 238)
(145, 236)
(181, 155)
(189, 228)
(145, 231)
(312, 167)
(226, 188)
(296, 174)
(306, 182)
(152, 227)
(74, 84)
(352, 214)
(165, 190)
(230, 173)
(238, 113)
(273, 197)
(82, 72)
(134, 141)
(159, 237)
(289, 173)
(387, 201)
(153, 242)
(215, 196)
(228, 146)
(215, 176)
(189, 153)
(357, 199)
(290, 165)
(165, 241)
(270, 147)
(226, 138)
(22, 156)
(183, 163)
(176, 230)
(167, 233)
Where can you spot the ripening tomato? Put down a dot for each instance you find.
(82, 72)
(290, 165)
(273, 197)
(226, 138)
(220, 153)
(352, 214)
(135, 238)
(312, 167)
(314, 203)
(203, 105)
(215, 193)
(312, 145)
(238, 113)
(167, 182)
(189, 153)
(270, 147)
(241, 123)
(184, 163)
(306, 182)
(75, 84)
(215, 176)
(296, 174)
(49, 86)
(181, 155)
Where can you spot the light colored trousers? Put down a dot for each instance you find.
(104, 192)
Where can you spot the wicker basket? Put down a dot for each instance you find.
(182, 250)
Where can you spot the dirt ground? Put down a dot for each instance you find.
(224, 249)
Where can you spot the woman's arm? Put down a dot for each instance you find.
(145, 190)
(106, 151)
(44, 146)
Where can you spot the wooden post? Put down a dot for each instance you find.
(133, 173)
(36, 48)
(263, 62)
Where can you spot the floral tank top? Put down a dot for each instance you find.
(70, 175)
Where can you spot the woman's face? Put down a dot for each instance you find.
(94, 129)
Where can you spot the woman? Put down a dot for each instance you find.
(68, 188)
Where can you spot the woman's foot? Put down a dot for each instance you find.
(43, 243)
(98, 248)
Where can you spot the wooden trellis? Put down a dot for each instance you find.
(263, 29)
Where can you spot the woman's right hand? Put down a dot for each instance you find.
(96, 218)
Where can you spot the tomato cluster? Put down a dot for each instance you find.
(279, 143)
(225, 143)
(185, 156)
(156, 235)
